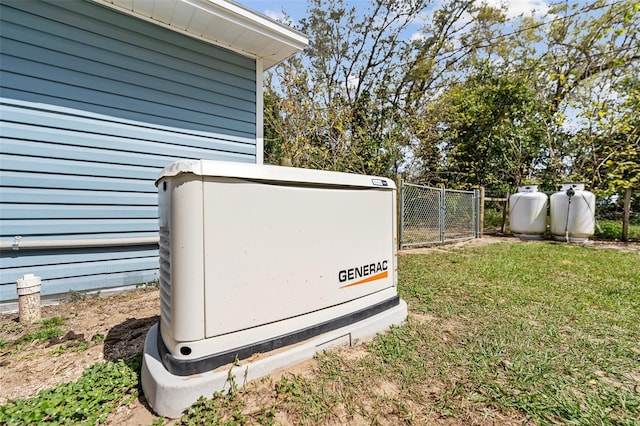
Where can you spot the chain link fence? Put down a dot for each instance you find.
(436, 215)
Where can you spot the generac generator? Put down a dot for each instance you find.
(255, 258)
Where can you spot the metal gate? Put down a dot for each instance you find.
(437, 215)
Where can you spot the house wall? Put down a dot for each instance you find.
(93, 104)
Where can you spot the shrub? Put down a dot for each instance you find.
(608, 230)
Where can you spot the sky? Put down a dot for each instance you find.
(296, 9)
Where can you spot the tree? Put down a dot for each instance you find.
(562, 57)
(475, 98)
(489, 129)
(331, 109)
(589, 51)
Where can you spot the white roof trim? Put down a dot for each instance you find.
(221, 22)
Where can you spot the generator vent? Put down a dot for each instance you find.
(165, 275)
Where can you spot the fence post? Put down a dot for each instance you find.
(475, 213)
(626, 208)
(443, 208)
(504, 212)
(399, 210)
(481, 212)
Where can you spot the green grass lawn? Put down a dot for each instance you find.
(509, 333)
(551, 331)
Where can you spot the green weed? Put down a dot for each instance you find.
(76, 296)
(49, 329)
(52, 322)
(42, 334)
(220, 410)
(149, 284)
(493, 216)
(80, 346)
(102, 388)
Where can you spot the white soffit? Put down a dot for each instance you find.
(221, 22)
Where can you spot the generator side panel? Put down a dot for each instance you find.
(278, 251)
(180, 206)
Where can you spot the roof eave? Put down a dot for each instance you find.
(220, 22)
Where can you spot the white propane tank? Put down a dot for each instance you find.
(573, 213)
(528, 212)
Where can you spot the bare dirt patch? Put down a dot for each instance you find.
(633, 246)
(486, 240)
(475, 242)
(93, 330)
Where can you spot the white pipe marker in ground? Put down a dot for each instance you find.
(29, 298)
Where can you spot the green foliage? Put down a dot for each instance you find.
(491, 129)
(49, 329)
(72, 347)
(315, 402)
(337, 109)
(102, 388)
(149, 284)
(223, 409)
(608, 230)
(612, 230)
(493, 217)
(620, 126)
(220, 410)
(42, 334)
(76, 296)
(43, 331)
(52, 322)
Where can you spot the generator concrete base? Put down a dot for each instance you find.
(169, 395)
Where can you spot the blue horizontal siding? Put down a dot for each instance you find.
(50, 149)
(69, 197)
(137, 69)
(63, 211)
(65, 118)
(87, 282)
(129, 107)
(84, 30)
(101, 235)
(79, 269)
(14, 259)
(93, 104)
(29, 179)
(57, 227)
(32, 164)
(179, 50)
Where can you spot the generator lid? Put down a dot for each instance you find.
(274, 174)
